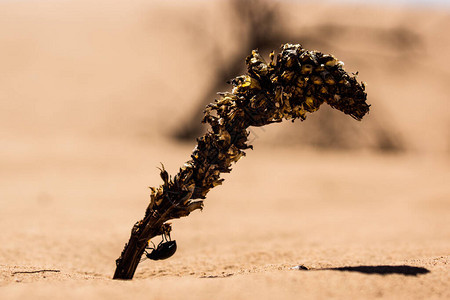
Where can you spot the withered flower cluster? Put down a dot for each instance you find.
(298, 81)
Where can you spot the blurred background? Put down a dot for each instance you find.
(141, 70)
(95, 94)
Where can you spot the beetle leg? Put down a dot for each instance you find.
(154, 247)
(166, 237)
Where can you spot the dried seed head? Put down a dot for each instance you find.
(316, 80)
(287, 75)
(307, 69)
(295, 82)
(329, 79)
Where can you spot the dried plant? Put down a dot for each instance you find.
(287, 88)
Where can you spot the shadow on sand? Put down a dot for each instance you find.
(380, 270)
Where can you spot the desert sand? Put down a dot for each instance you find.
(91, 93)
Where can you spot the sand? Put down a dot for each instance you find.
(84, 105)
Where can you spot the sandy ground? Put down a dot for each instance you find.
(84, 105)
(280, 208)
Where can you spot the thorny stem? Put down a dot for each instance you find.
(297, 82)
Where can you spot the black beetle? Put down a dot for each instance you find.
(166, 248)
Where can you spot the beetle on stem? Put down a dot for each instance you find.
(165, 249)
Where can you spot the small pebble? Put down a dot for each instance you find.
(299, 267)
